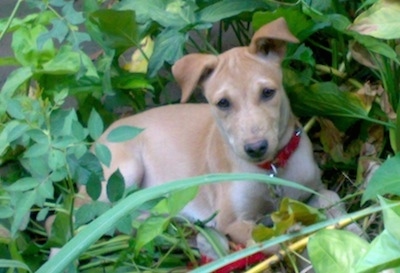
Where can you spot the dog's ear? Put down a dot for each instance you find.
(272, 38)
(191, 70)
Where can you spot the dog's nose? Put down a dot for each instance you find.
(256, 149)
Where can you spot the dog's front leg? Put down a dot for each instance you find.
(330, 201)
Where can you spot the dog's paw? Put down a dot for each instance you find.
(211, 243)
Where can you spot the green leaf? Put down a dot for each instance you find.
(36, 150)
(115, 186)
(391, 216)
(23, 207)
(381, 20)
(385, 180)
(14, 130)
(119, 28)
(56, 159)
(61, 122)
(65, 142)
(376, 46)
(84, 214)
(73, 17)
(78, 131)
(125, 225)
(4, 144)
(262, 233)
(228, 8)
(303, 213)
(299, 24)
(78, 150)
(43, 213)
(103, 153)
(38, 136)
(335, 251)
(338, 21)
(93, 186)
(325, 99)
(60, 230)
(24, 184)
(123, 133)
(12, 264)
(95, 125)
(17, 78)
(179, 199)
(175, 202)
(5, 212)
(168, 47)
(46, 189)
(90, 6)
(90, 211)
(86, 168)
(290, 212)
(8, 61)
(24, 45)
(58, 31)
(303, 54)
(131, 81)
(149, 230)
(55, 176)
(37, 166)
(383, 253)
(15, 110)
(168, 13)
(59, 97)
(88, 65)
(66, 62)
(18, 22)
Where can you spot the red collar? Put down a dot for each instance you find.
(283, 155)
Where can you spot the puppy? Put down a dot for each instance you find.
(246, 126)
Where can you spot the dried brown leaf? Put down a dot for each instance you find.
(332, 141)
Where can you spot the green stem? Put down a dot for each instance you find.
(307, 127)
(11, 18)
(15, 254)
(195, 45)
(208, 45)
(337, 73)
(219, 41)
(237, 34)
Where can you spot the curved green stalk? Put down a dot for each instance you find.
(89, 235)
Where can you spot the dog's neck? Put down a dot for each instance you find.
(284, 154)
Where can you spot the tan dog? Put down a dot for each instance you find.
(247, 126)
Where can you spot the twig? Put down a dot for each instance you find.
(296, 246)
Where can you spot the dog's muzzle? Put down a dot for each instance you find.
(256, 149)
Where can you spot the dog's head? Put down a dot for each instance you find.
(244, 87)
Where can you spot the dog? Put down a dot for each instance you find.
(246, 126)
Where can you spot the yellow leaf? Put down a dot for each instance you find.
(140, 57)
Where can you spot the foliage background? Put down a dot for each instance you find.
(342, 79)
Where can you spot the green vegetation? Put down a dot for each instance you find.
(342, 78)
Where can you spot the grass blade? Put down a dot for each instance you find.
(89, 235)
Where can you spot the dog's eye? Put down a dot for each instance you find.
(223, 104)
(267, 93)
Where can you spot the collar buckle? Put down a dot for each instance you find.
(273, 172)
